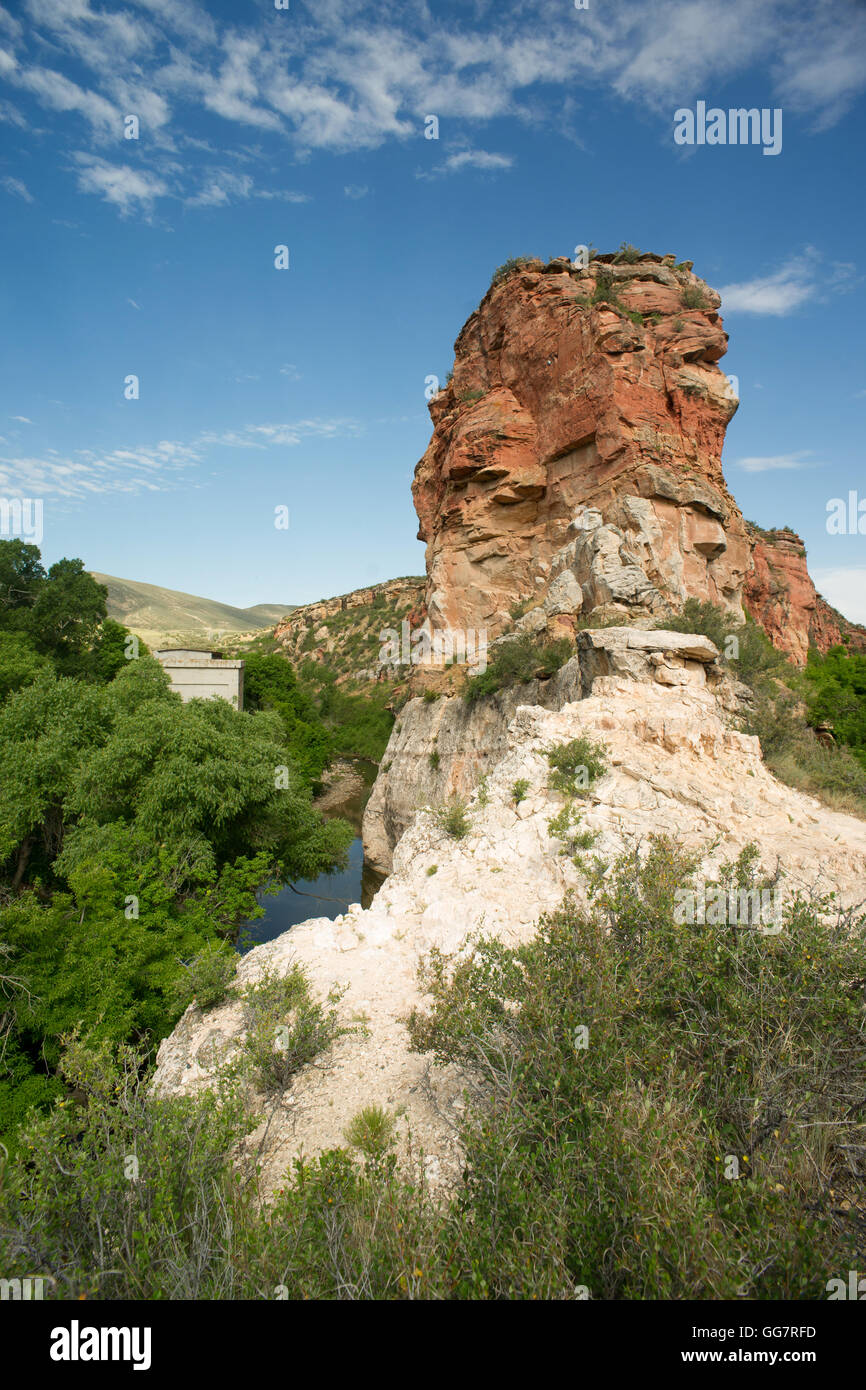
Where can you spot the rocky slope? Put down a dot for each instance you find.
(344, 632)
(575, 464)
(674, 767)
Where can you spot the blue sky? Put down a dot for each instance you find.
(304, 388)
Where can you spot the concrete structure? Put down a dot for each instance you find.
(199, 675)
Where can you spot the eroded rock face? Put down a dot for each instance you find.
(468, 740)
(781, 597)
(575, 464)
(576, 456)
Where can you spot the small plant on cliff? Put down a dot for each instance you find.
(206, 978)
(605, 291)
(576, 765)
(627, 253)
(434, 759)
(513, 263)
(453, 819)
(285, 1027)
(468, 397)
(484, 791)
(564, 827)
(431, 696)
(678, 325)
(519, 790)
(693, 297)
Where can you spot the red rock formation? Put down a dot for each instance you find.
(781, 597)
(559, 402)
(575, 463)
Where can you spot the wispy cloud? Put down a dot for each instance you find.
(469, 159)
(17, 188)
(800, 279)
(776, 294)
(356, 190)
(160, 467)
(22, 418)
(346, 76)
(128, 189)
(768, 463)
(287, 434)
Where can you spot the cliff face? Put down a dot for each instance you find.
(576, 455)
(781, 597)
(469, 740)
(575, 463)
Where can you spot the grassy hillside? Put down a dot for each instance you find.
(170, 617)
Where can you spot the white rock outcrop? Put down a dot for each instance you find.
(675, 767)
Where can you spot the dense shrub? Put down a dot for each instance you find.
(516, 661)
(576, 765)
(622, 1063)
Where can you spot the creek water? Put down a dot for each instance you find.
(330, 894)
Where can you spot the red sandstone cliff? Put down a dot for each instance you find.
(575, 463)
(781, 597)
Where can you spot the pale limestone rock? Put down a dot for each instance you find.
(675, 768)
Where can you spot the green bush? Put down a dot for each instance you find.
(285, 1028)
(564, 826)
(433, 759)
(517, 661)
(371, 1131)
(453, 819)
(576, 765)
(519, 790)
(206, 977)
(508, 267)
(625, 1068)
(692, 297)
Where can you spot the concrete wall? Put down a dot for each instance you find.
(205, 678)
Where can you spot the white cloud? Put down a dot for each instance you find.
(771, 462)
(126, 188)
(17, 188)
(283, 435)
(845, 589)
(777, 294)
(477, 159)
(91, 474)
(356, 190)
(345, 76)
(133, 303)
(467, 159)
(23, 419)
(290, 370)
(56, 91)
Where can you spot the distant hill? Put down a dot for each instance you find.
(168, 617)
